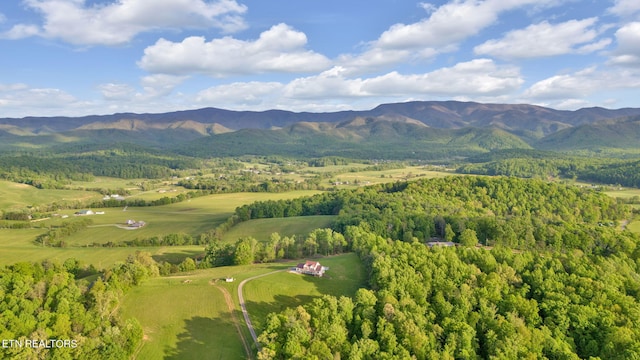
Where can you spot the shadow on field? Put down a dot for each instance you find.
(177, 257)
(259, 310)
(203, 339)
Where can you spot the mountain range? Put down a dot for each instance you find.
(407, 129)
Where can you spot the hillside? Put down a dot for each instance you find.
(419, 129)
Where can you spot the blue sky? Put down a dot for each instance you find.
(80, 57)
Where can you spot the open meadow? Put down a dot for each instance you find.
(261, 229)
(279, 291)
(186, 316)
(17, 246)
(18, 197)
(191, 217)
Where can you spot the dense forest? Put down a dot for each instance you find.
(70, 318)
(523, 214)
(539, 270)
(544, 165)
(559, 279)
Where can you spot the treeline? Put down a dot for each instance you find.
(55, 236)
(55, 172)
(559, 283)
(544, 165)
(247, 183)
(248, 250)
(468, 303)
(171, 239)
(47, 301)
(512, 212)
(328, 203)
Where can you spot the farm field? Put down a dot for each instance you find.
(277, 292)
(16, 197)
(17, 246)
(624, 193)
(186, 316)
(634, 226)
(191, 217)
(183, 320)
(260, 229)
(370, 177)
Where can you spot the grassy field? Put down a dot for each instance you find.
(260, 229)
(17, 245)
(15, 197)
(277, 292)
(186, 316)
(623, 193)
(183, 320)
(634, 226)
(190, 217)
(384, 176)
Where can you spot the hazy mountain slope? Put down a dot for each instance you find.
(617, 134)
(419, 128)
(439, 114)
(362, 138)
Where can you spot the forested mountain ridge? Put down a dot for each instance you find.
(439, 114)
(452, 127)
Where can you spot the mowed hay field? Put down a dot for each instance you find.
(17, 197)
(187, 317)
(192, 217)
(183, 318)
(17, 246)
(261, 229)
(279, 291)
(363, 178)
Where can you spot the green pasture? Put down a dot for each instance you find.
(192, 217)
(384, 176)
(623, 193)
(186, 316)
(183, 320)
(261, 229)
(279, 291)
(334, 168)
(16, 197)
(634, 226)
(17, 245)
(104, 182)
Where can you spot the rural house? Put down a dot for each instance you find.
(311, 268)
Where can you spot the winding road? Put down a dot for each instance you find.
(243, 306)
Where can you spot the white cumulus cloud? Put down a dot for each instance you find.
(628, 51)
(118, 22)
(253, 93)
(479, 77)
(445, 27)
(625, 8)
(279, 49)
(581, 84)
(14, 98)
(545, 39)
